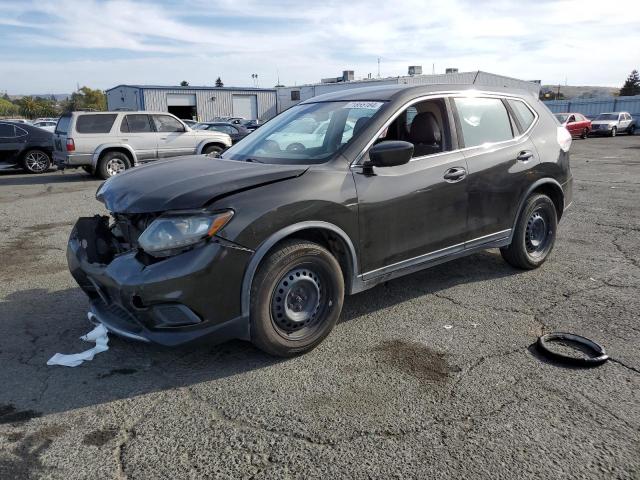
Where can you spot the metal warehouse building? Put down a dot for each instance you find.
(289, 96)
(197, 103)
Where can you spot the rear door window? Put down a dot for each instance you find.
(95, 123)
(136, 124)
(7, 130)
(483, 120)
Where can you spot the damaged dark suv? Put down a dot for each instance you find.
(332, 197)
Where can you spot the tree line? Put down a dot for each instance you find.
(33, 107)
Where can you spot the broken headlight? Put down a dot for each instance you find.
(173, 232)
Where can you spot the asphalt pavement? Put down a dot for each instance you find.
(429, 376)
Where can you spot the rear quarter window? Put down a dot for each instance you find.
(523, 114)
(63, 124)
(95, 123)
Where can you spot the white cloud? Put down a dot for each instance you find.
(541, 40)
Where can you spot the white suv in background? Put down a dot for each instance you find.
(106, 143)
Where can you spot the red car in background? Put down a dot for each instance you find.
(577, 124)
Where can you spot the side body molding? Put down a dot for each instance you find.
(265, 246)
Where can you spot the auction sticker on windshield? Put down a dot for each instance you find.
(364, 105)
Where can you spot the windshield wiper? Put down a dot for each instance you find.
(253, 160)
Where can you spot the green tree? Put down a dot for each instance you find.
(631, 85)
(6, 97)
(7, 108)
(219, 83)
(86, 99)
(184, 83)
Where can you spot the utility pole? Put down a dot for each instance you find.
(378, 67)
(433, 69)
(558, 94)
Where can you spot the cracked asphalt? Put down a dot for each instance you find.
(391, 393)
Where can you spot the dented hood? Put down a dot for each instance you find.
(186, 183)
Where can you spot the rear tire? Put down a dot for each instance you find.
(36, 161)
(535, 234)
(584, 134)
(112, 163)
(296, 298)
(632, 130)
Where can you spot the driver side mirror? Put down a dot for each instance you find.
(390, 153)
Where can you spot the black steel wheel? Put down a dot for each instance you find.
(296, 298)
(535, 234)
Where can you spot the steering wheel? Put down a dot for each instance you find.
(296, 147)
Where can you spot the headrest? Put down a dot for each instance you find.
(425, 129)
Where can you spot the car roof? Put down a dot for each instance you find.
(396, 92)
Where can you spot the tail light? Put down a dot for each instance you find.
(71, 145)
(564, 139)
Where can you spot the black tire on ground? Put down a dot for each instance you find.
(112, 163)
(614, 131)
(36, 161)
(296, 298)
(632, 130)
(584, 134)
(535, 234)
(213, 150)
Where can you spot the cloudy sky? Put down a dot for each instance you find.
(49, 46)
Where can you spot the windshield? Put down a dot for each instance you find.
(305, 134)
(561, 117)
(607, 116)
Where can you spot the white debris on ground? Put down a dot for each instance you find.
(98, 335)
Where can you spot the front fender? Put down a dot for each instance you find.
(222, 139)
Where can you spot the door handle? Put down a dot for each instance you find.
(524, 155)
(455, 174)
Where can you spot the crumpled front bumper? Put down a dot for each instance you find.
(192, 295)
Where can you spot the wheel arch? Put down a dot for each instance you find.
(212, 141)
(326, 234)
(549, 187)
(106, 148)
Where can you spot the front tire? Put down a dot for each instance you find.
(296, 299)
(111, 164)
(584, 134)
(212, 150)
(36, 161)
(535, 234)
(614, 132)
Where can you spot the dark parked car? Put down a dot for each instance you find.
(263, 243)
(236, 132)
(25, 146)
(251, 125)
(577, 124)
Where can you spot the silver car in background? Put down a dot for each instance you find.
(107, 143)
(613, 123)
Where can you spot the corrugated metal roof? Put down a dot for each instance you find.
(189, 87)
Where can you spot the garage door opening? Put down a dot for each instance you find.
(182, 105)
(186, 113)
